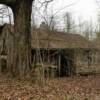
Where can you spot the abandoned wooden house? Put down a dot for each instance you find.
(67, 53)
(57, 53)
(5, 44)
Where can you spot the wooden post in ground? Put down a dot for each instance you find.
(59, 64)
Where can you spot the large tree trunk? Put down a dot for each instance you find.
(20, 63)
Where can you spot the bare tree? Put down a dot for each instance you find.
(69, 22)
(97, 30)
(88, 30)
(48, 19)
(19, 57)
(81, 24)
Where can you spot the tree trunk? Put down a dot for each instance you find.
(20, 63)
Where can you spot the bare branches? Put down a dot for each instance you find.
(5, 13)
(98, 3)
(44, 3)
(69, 5)
(42, 9)
(45, 11)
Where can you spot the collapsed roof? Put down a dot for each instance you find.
(50, 39)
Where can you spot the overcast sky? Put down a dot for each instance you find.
(87, 10)
(84, 9)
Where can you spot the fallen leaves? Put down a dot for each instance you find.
(68, 88)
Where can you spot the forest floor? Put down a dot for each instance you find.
(68, 88)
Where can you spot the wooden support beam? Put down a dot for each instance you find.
(59, 64)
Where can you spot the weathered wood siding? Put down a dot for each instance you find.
(87, 61)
